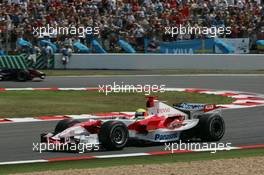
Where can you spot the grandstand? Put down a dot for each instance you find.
(117, 26)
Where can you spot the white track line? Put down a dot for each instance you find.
(23, 162)
(81, 157)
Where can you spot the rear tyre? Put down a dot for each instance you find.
(64, 124)
(23, 75)
(211, 128)
(113, 135)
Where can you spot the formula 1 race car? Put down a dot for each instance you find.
(21, 74)
(160, 123)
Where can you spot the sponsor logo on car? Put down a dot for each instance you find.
(190, 106)
(166, 136)
(163, 110)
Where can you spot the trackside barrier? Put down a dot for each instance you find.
(22, 62)
(162, 61)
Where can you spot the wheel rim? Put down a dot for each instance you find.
(119, 135)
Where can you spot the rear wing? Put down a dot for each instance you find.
(195, 107)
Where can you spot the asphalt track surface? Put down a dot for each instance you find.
(243, 126)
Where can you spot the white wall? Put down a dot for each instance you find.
(162, 61)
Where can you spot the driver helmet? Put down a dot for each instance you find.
(140, 113)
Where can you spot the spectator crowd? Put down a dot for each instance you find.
(132, 20)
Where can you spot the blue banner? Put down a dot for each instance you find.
(260, 44)
(24, 43)
(98, 48)
(53, 46)
(126, 46)
(188, 46)
(2, 53)
(224, 47)
(81, 48)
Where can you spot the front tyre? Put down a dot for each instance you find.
(113, 135)
(211, 127)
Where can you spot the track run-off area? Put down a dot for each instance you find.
(244, 123)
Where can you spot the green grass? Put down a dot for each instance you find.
(38, 103)
(146, 72)
(94, 163)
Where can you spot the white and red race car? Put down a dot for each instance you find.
(160, 123)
